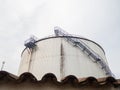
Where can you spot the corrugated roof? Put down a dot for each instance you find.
(6, 76)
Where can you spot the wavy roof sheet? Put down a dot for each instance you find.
(72, 80)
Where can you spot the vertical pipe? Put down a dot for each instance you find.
(2, 65)
(30, 59)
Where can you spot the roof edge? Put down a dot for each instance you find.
(71, 79)
(49, 37)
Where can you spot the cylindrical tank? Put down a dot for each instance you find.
(56, 55)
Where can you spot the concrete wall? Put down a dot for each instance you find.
(51, 86)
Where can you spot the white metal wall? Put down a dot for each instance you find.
(46, 58)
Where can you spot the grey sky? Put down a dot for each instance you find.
(98, 20)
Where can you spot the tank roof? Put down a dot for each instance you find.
(68, 36)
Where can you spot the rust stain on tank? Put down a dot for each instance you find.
(32, 50)
(62, 61)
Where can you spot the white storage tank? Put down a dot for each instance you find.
(58, 55)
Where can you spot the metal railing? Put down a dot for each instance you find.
(85, 48)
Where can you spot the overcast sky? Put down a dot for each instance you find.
(98, 20)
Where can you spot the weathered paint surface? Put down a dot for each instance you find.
(56, 55)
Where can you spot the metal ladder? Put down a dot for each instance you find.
(85, 48)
